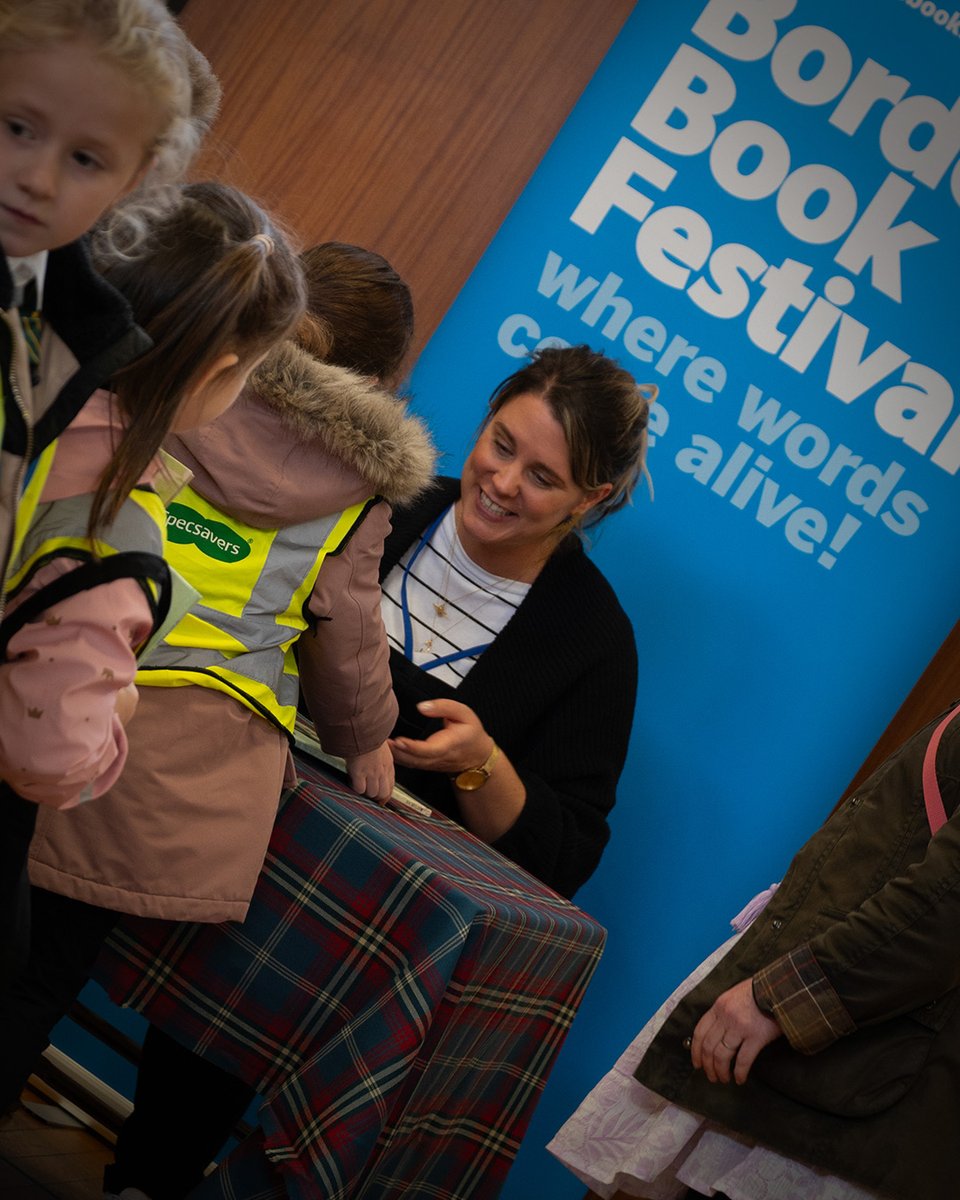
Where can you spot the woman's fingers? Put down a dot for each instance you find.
(713, 1048)
(730, 1035)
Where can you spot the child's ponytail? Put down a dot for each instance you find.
(211, 276)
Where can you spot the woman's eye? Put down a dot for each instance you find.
(501, 447)
(17, 128)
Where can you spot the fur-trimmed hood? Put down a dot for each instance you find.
(362, 425)
(306, 438)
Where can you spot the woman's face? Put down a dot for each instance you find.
(517, 488)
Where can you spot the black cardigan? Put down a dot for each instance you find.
(556, 690)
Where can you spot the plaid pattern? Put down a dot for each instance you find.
(794, 990)
(398, 994)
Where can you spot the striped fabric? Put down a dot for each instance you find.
(32, 324)
(398, 994)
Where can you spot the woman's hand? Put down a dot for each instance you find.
(732, 1033)
(461, 743)
(490, 810)
(371, 774)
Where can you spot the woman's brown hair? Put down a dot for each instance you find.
(212, 276)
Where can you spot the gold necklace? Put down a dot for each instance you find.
(441, 611)
(441, 606)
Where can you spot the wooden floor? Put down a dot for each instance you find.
(44, 1161)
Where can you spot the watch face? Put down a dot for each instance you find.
(470, 780)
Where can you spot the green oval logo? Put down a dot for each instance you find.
(186, 526)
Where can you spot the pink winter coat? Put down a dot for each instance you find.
(183, 834)
(61, 741)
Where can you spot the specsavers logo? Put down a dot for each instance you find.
(186, 526)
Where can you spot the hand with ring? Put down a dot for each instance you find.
(731, 1034)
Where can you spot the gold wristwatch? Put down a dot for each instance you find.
(475, 777)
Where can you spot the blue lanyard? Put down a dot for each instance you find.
(470, 652)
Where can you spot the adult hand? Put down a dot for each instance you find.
(371, 774)
(732, 1033)
(462, 742)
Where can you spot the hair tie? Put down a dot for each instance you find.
(265, 240)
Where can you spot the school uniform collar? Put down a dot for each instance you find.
(22, 270)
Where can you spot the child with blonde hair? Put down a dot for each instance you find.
(97, 98)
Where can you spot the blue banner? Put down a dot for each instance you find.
(754, 206)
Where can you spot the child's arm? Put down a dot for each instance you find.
(345, 664)
(61, 739)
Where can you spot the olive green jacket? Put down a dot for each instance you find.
(868, 920)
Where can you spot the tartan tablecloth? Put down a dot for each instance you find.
(397, 994)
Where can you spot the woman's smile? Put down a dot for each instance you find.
(491, 507)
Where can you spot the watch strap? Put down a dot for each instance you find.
(472, 778)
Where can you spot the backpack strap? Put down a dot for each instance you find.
(936, 813)
(139, 565)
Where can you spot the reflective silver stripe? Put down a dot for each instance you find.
(132, 529)
(292, 556)
(259, 666)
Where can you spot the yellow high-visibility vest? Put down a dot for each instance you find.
(131, 547)
(29, 500)
(254, 587)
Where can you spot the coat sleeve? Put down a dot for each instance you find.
(60, 739)
(345, 661)
(894, 953)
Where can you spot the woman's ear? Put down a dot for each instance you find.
(591, 499)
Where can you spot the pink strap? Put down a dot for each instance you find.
(936, 813)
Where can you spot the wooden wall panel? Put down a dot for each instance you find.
(411, 126)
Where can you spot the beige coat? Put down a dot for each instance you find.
(183, 834)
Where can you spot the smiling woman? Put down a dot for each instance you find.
(513, 662)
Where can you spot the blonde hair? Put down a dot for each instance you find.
(214, 275)
(141, 39)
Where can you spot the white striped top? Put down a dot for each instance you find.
(453, 604)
